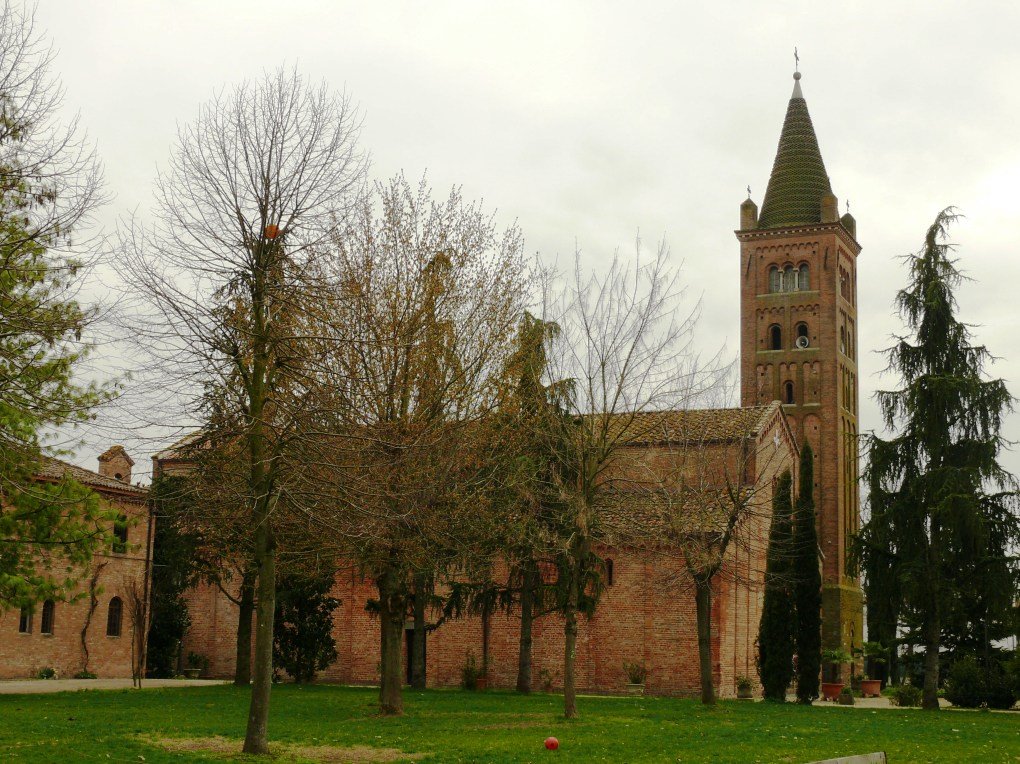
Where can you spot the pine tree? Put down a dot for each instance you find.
(807, 582)
(776, 630)
(944, 497)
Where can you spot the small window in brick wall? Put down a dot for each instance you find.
(25, 621)
(48, 608)
(113, 617)
(609, 572)
(120, 534)
(788, 392)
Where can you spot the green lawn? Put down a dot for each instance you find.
(454, 726)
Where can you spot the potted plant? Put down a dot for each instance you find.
(874, 655)
(846, 697)
(197, 665)
(744, 688)
(833, 659)
(636, 675)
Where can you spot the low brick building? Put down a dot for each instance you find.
(94, 629)
(647, 611)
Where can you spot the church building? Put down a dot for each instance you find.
(797, 278)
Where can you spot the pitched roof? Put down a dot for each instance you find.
(55, 469)
(676, 426)
(798, 181)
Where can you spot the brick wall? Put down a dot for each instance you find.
(23, 655)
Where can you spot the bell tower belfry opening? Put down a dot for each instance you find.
(798, 343)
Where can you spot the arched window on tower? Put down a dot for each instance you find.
(775, 337)
(788, 392)
(804, 279)
(609, 572)
(775, 279)
(801, 339)
(842, 340)
(790, 279)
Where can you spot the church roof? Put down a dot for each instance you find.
(798, 181)
(696, 425)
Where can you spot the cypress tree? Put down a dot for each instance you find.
(775, 631)
(807, 579)
(948, 506)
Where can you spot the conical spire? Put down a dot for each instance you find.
(798, 181)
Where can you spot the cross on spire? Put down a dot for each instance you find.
(796, 60)
(748, 192)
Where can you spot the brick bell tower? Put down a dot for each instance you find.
(798, 343)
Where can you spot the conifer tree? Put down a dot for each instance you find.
(807, 582)
(943, 495)
(776, 630)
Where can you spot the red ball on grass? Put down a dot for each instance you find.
(552, 743)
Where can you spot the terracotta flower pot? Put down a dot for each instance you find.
(871, 688)
(831, 690)
(635, 689)
(745, 693)
(481, 682)
(192, 673)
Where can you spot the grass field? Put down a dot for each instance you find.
(174, 725)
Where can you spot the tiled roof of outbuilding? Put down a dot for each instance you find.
(55, 469)
(798, 181)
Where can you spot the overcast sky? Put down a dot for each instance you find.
(588, 122)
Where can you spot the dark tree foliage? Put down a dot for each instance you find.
(303, 628)
(174, 569)
(776, 629)
(807, 582)
(949, 508)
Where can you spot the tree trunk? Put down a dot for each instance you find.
(930, 698)
(246, 607)
(569, 653)
(256, 739)
(391, 624)
(703, 602)
(418, 639)
(528, 586)
(486, 635)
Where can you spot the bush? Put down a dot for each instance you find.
(47, 673)
(999, 690)
(965, 684)
(636, 672)
(85, 674)
(906, 696)
(470, 673)
(303, 629)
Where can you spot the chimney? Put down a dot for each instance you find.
(115, 463)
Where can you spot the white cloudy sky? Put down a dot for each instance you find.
(590, 121)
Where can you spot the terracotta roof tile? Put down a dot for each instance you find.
(695, 424)
(55, 469)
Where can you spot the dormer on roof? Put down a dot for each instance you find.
(115, 463)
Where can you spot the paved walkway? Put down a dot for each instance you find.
(37, 686)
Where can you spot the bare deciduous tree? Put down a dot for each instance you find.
(228, 277)
(626, 341)
(432, 294)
